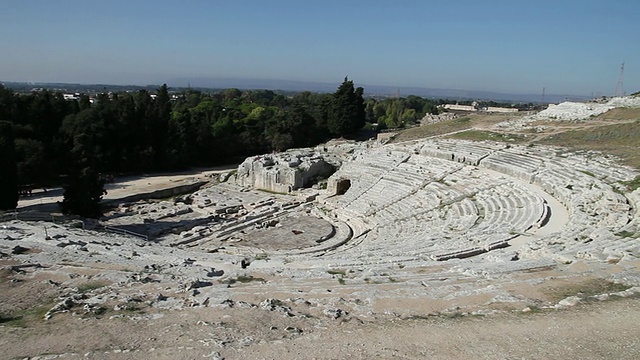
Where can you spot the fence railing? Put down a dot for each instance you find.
(32, 216)
(124, 232)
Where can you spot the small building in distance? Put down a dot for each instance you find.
(71, 96)
(457, 107)
(475, 107)
(495, 109)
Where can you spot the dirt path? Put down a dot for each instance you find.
(127, 186)
(593, 331)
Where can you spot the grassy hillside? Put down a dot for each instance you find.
(480, 135)
(621, 140)
(440, 128)
(616, 132)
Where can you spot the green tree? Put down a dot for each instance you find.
(8, 104)
(83, 193)
(408, 117)
(317, 107)
(8, 168)
(281, 141)
(89, 146)
(31, 160)
(370, 115)
(160, 125)
(347, 110)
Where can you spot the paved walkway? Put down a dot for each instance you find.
(125, 186)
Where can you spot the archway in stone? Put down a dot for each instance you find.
(342, 186)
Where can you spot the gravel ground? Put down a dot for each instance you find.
(593, 331)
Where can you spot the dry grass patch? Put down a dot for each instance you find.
(337, 272)
(483, 120)
(633, 184)
(244, 279)
(584, 289)
(481, 135)
(620, 114)
(90, 286)
(620, 140)
(464, 122)
(443, 127)
(26, 318)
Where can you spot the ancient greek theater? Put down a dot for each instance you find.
(335, 246)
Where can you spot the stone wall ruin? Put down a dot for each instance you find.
(284, 172)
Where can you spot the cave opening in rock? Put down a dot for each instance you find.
(342, 186)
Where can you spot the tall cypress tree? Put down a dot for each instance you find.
(8, 168)
(160, 125)
(83, 193)
(347, 110)
(84, 188)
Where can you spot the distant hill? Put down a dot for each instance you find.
(456, 94)
(296, 86)
(371, 90)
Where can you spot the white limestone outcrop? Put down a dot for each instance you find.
(284, 172)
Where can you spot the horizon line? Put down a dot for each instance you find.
(240, 87)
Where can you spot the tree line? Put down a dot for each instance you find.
(393, 113)
(47, 140)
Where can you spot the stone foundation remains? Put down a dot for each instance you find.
(284, 172)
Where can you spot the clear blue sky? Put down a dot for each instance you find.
(569, 47)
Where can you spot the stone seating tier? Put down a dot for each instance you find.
(468, 209)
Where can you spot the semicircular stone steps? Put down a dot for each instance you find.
(447, 199)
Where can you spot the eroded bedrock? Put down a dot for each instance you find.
(444, 199)
(417, 202)
(412, 228)
(288, 171)
(430, 200)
